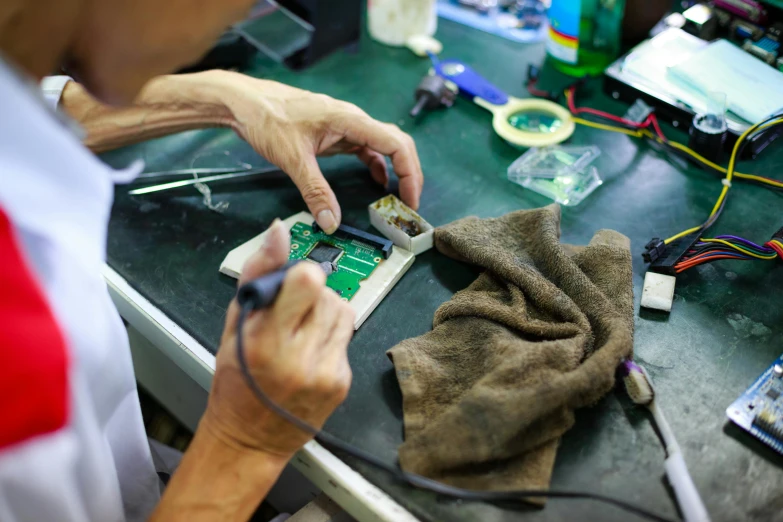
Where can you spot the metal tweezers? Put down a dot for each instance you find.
(218, 174)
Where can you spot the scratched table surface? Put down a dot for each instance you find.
(725, 328)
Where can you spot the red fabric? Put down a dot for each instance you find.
(33, 354)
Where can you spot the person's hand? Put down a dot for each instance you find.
(290, 127)
(296, 351)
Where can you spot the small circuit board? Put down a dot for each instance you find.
(352, 260)
(760, 409)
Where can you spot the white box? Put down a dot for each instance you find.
(658, 291)
(389, 214)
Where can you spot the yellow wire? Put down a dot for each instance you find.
(717, 167)
(729, 174)
(682, 234)
(736, 247)
(588, 123)
(728, 171)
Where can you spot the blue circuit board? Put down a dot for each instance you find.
(760, 409)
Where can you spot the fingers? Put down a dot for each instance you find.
(328, 330)
(272, 255)
(342, 330)
(390, 141)
(299, 294)
(318, 326)
(376, 162)
(316, 192)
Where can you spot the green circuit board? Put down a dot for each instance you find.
(354, 260)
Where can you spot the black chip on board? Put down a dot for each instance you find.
(773, 394)
(324, 252)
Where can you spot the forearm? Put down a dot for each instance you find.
(166, 105)
(218, 481)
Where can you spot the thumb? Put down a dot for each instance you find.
(317, 194)
(272, 255)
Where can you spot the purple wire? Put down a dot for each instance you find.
(746, 242)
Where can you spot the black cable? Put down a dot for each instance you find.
(758, 133)
(419, 481)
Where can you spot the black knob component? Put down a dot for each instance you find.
(433, 92)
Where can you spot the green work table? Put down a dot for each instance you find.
(725, 328)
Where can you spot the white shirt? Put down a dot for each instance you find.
(72, 441)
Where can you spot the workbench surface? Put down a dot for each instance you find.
(724, 330)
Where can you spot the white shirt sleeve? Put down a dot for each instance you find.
(52, 88)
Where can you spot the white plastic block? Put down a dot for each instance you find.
(658, 291)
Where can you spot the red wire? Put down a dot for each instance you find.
(685, 265)
(774, 247)
(531, 88)
(652, 118)
(580, 110)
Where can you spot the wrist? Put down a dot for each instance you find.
(218, 481)
(216, 431)
(199, 95)
(244, 100)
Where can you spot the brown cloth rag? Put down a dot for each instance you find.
(488, 393)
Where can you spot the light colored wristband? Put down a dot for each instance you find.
(52, 88)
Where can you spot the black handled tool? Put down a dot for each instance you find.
(262, 292)
(432, 92)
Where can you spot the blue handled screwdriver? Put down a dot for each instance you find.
(262, 292)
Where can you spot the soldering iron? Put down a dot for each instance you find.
(262, 292)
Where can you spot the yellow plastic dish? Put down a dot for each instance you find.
(521, 138)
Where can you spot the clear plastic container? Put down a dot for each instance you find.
(569, 190)
(551, 162)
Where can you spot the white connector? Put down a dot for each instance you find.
(658, 291)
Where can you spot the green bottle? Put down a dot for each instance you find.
(584, 35)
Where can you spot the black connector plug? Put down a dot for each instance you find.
(663, 257)
(346, 232)
(778, 234)
(653, 250)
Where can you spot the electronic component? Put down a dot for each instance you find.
(432, 92)
(724, 18)
(633, 76)
(747, 9)
(325, 253)
(760, 409)
(765, 49)
(658, 291)
(708, 131)
(700, 20)
(638, 112)
(371, 240)
(351, 261)
(775, 31)
(663, 257)
(741, 30)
